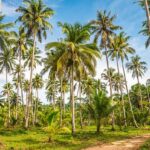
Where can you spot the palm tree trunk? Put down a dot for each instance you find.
(98, 125)
(148, 96)
(61, 102)
(30, 87)
(80, 91)
(17, 97)
(9, 115)
(147, 13)
(64, 107)
(110, 86)
(140, 92)
(20, 64)
(72, 99)
(129, 100)
(122, 99)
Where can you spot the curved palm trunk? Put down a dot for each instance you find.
(140, 92)
(30, 87)
(110, 86)
(147, 13)
(122, 99)
(72, 99)
(129, 100)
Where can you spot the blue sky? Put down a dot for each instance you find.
(129, 16)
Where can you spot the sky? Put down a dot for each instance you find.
(129, 15)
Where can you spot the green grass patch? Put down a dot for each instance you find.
(19, 139)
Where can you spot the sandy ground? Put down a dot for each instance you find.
(128, 144)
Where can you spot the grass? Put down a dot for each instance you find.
(146, 145)
(19, 139)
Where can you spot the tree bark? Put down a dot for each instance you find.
(129, 100)
(98, 125)
(80, 91)
(72, 98)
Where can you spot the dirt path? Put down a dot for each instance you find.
(128, 144)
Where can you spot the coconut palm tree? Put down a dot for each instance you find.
(18, 74)
(145, 32)
(37, 84)
(138, 68)
(34, 19)
(146, 5)
(22, 44)
(103, 28)
(120, 49)
(7, 91)
(147, 88)
(77, 54)
(25, 86)
(4, 34)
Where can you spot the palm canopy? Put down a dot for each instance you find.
(104, 27)
(4, 35)
(119, 47)
(35, 17)
(82, 56)
(145, 32)
(7, 60)
(28, 58)
(37, 82)
(136, 66)
(22, 42)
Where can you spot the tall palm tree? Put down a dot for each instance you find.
(34, 19)
(37, 84)
(146, 5)
(76, 56)
(138, 68)
(4, 34)
(22, 44)
(120, 49)
(18, 74)
(147, 88)
(7, 91)
(25, 86)
(103, 28)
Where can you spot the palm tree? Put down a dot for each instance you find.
(37, 84)
(4, 35)
(138, 68)
(18, 74)
(7, 91)
(34, 19)
(119, 49)
(25, 86)
(146, 5)
(145, 32)
(22, 44)
(76, 56)
(100, 107)
(104, 27)
(147, 88)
